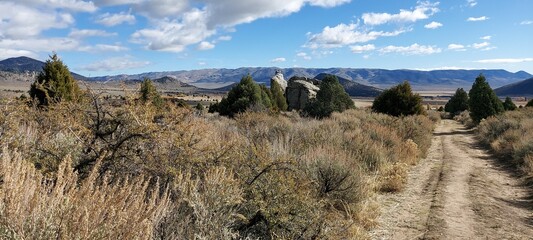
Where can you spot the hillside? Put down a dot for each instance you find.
(27, 65)
(380, 78)
(518, 89)
(354, 89)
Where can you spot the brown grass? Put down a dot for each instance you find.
(257, 176)
(511, 136)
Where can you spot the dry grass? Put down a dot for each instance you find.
(255, 176)
(511, 136)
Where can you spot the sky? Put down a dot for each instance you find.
(110, 37)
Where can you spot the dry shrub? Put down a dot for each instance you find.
(34, 207)
(465, 119)
(510, 135)
(204, 208)
(258, 176)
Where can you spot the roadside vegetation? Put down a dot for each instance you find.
(144, 168)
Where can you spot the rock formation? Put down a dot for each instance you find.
(299, 91)
(279, 79)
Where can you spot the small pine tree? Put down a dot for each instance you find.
(54, 84)
(245, 95)
(199, 107)
(148, 93)
(279, 101)
(508, 104)
(483, 101)
(457, 103)
(398, 101)
(330, 98)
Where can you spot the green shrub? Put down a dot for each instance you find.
(508, 104)
(483, 101)
(398, 101)
(458, 103)
(54, 84)
(530, 103)
(245, 95)
(330, 98)
(148, 93)
(278, 97)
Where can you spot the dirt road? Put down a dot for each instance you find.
(458, 192)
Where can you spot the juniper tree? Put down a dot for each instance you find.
(54, 83)
(458, 102)
(508, 104)
(483, 101)
(398, 101)
(330, 98)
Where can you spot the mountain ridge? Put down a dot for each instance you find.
(518, 89)
(216, 78)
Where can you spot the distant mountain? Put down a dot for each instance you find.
(354, 89)
(518, 89)
(380, 78)
(27, 65)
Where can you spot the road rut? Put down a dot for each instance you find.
(459, 191)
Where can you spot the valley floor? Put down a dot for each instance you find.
(459, 191)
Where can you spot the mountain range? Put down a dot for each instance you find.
(351, 78)
(518, 89)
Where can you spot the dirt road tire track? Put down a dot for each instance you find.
(459, 191)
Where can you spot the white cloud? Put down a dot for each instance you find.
(527, 22)
(433, 25)
(471, 3)
(22, 22)
(114, 64)
(414, 49)
(456, 47)
(342, 35)
(327, 3)
(103, 48)
(362, 48)
(422, 11)
(40, 45)
(480, 45)
(303, 55)
(9, 53)
(83, 33)
(175, 36)
(278, 60)
(224, 38)
(485, 37)
(202, 63)
(70, 5)
(205, 46)
(477, 19)
(108, 19)
(505, 60)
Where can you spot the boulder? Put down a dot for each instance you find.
(300, 90)
(279, 79)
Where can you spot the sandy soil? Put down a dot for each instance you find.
(458, 192)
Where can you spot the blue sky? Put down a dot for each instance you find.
(108, 37)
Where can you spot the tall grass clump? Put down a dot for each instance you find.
(510, 135)
(33, 206)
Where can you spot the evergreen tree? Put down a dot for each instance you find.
(330, 98)
(458, 102)
(483, 101)
(54, 83)
(246, 94)
(149, 93)
(508, 104)
(399, 101)
(279, 102)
